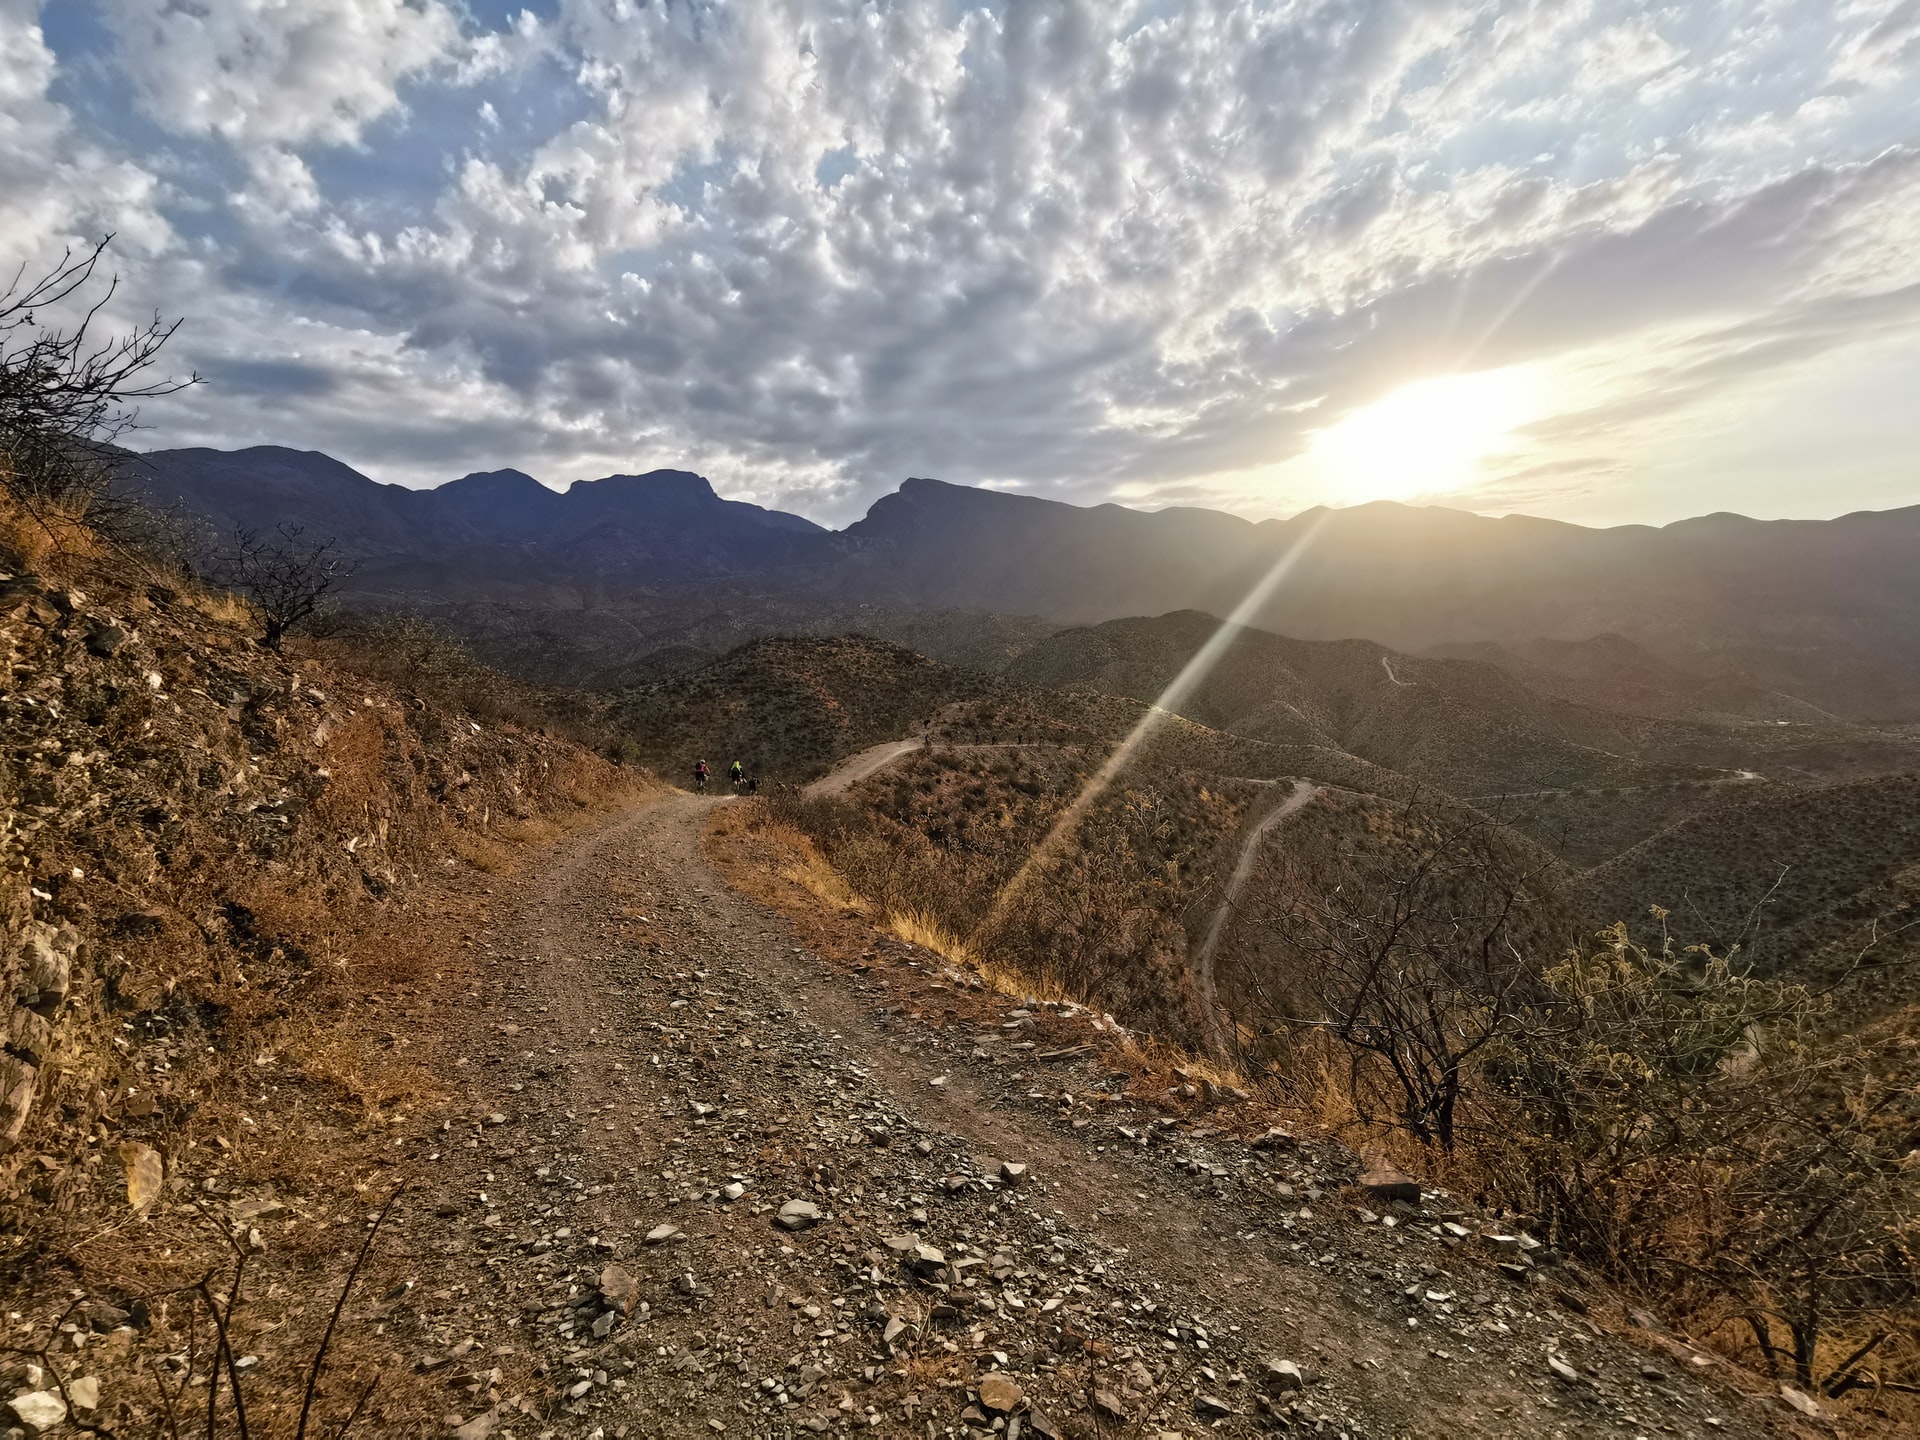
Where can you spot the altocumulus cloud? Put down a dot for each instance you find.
(1085, 249)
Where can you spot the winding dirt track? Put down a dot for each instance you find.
(645, 1037)
(851, 771)
(1200, 966)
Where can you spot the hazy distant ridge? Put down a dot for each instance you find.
(1827, 612)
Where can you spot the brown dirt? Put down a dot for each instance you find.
(648, 1035)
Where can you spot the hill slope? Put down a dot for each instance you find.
(1466, 727)
(789, 707)
(1803, 877)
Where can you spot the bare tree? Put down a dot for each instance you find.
(66, 392)
(1412, 954)
(284, 574)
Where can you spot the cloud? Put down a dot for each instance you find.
(59, 187)
(277, 72)
(812, 247)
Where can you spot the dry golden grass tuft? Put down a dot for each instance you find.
(917, 927)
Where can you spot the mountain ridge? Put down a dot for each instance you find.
(1824, 612)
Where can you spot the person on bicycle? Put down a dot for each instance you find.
(737, 774)
(699, 774)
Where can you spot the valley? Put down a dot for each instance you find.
(981, 1072)
(987, 721)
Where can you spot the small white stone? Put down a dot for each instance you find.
(38, 1409)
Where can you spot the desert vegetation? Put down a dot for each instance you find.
(1730, 1147)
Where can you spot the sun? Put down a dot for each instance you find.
(1425, 438)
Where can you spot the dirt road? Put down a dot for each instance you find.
(1200, 963)
(852, 771)
(657, 1069)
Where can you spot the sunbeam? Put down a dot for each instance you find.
(1163, 708)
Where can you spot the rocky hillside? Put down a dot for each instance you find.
(1805, 879)
(788, 708)
(215, 863)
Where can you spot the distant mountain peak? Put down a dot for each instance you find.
(654, 482)
(494, 483)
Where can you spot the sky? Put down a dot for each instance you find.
(1601, 261)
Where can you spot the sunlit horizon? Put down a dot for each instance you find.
(1587, 262)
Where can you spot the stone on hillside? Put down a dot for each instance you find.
(1803, 1402)
(38, 1410)
(104, 640)
(1562, 1371)
(619, 1287)
(926, 1260)
(1384, 1185)
(662, 1233)
(999, 1393)
(1212, 1407)
(1282, 1375)
(84, 1392)
(1013, 1173)
(1274, 1139)
(1108, 1404)
(799, 1215)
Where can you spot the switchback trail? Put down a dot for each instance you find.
(875, 758)
(1200, 967)
(855, 768)
(654, 1069)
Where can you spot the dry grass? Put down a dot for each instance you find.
(778, 863)
(917, 927)
(280, 857)
(809, 869)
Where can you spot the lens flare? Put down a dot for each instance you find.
(1158, 713)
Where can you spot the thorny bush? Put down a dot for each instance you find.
(1706, 1135)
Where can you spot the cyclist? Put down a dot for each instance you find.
(699, 774)
(737, 774)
